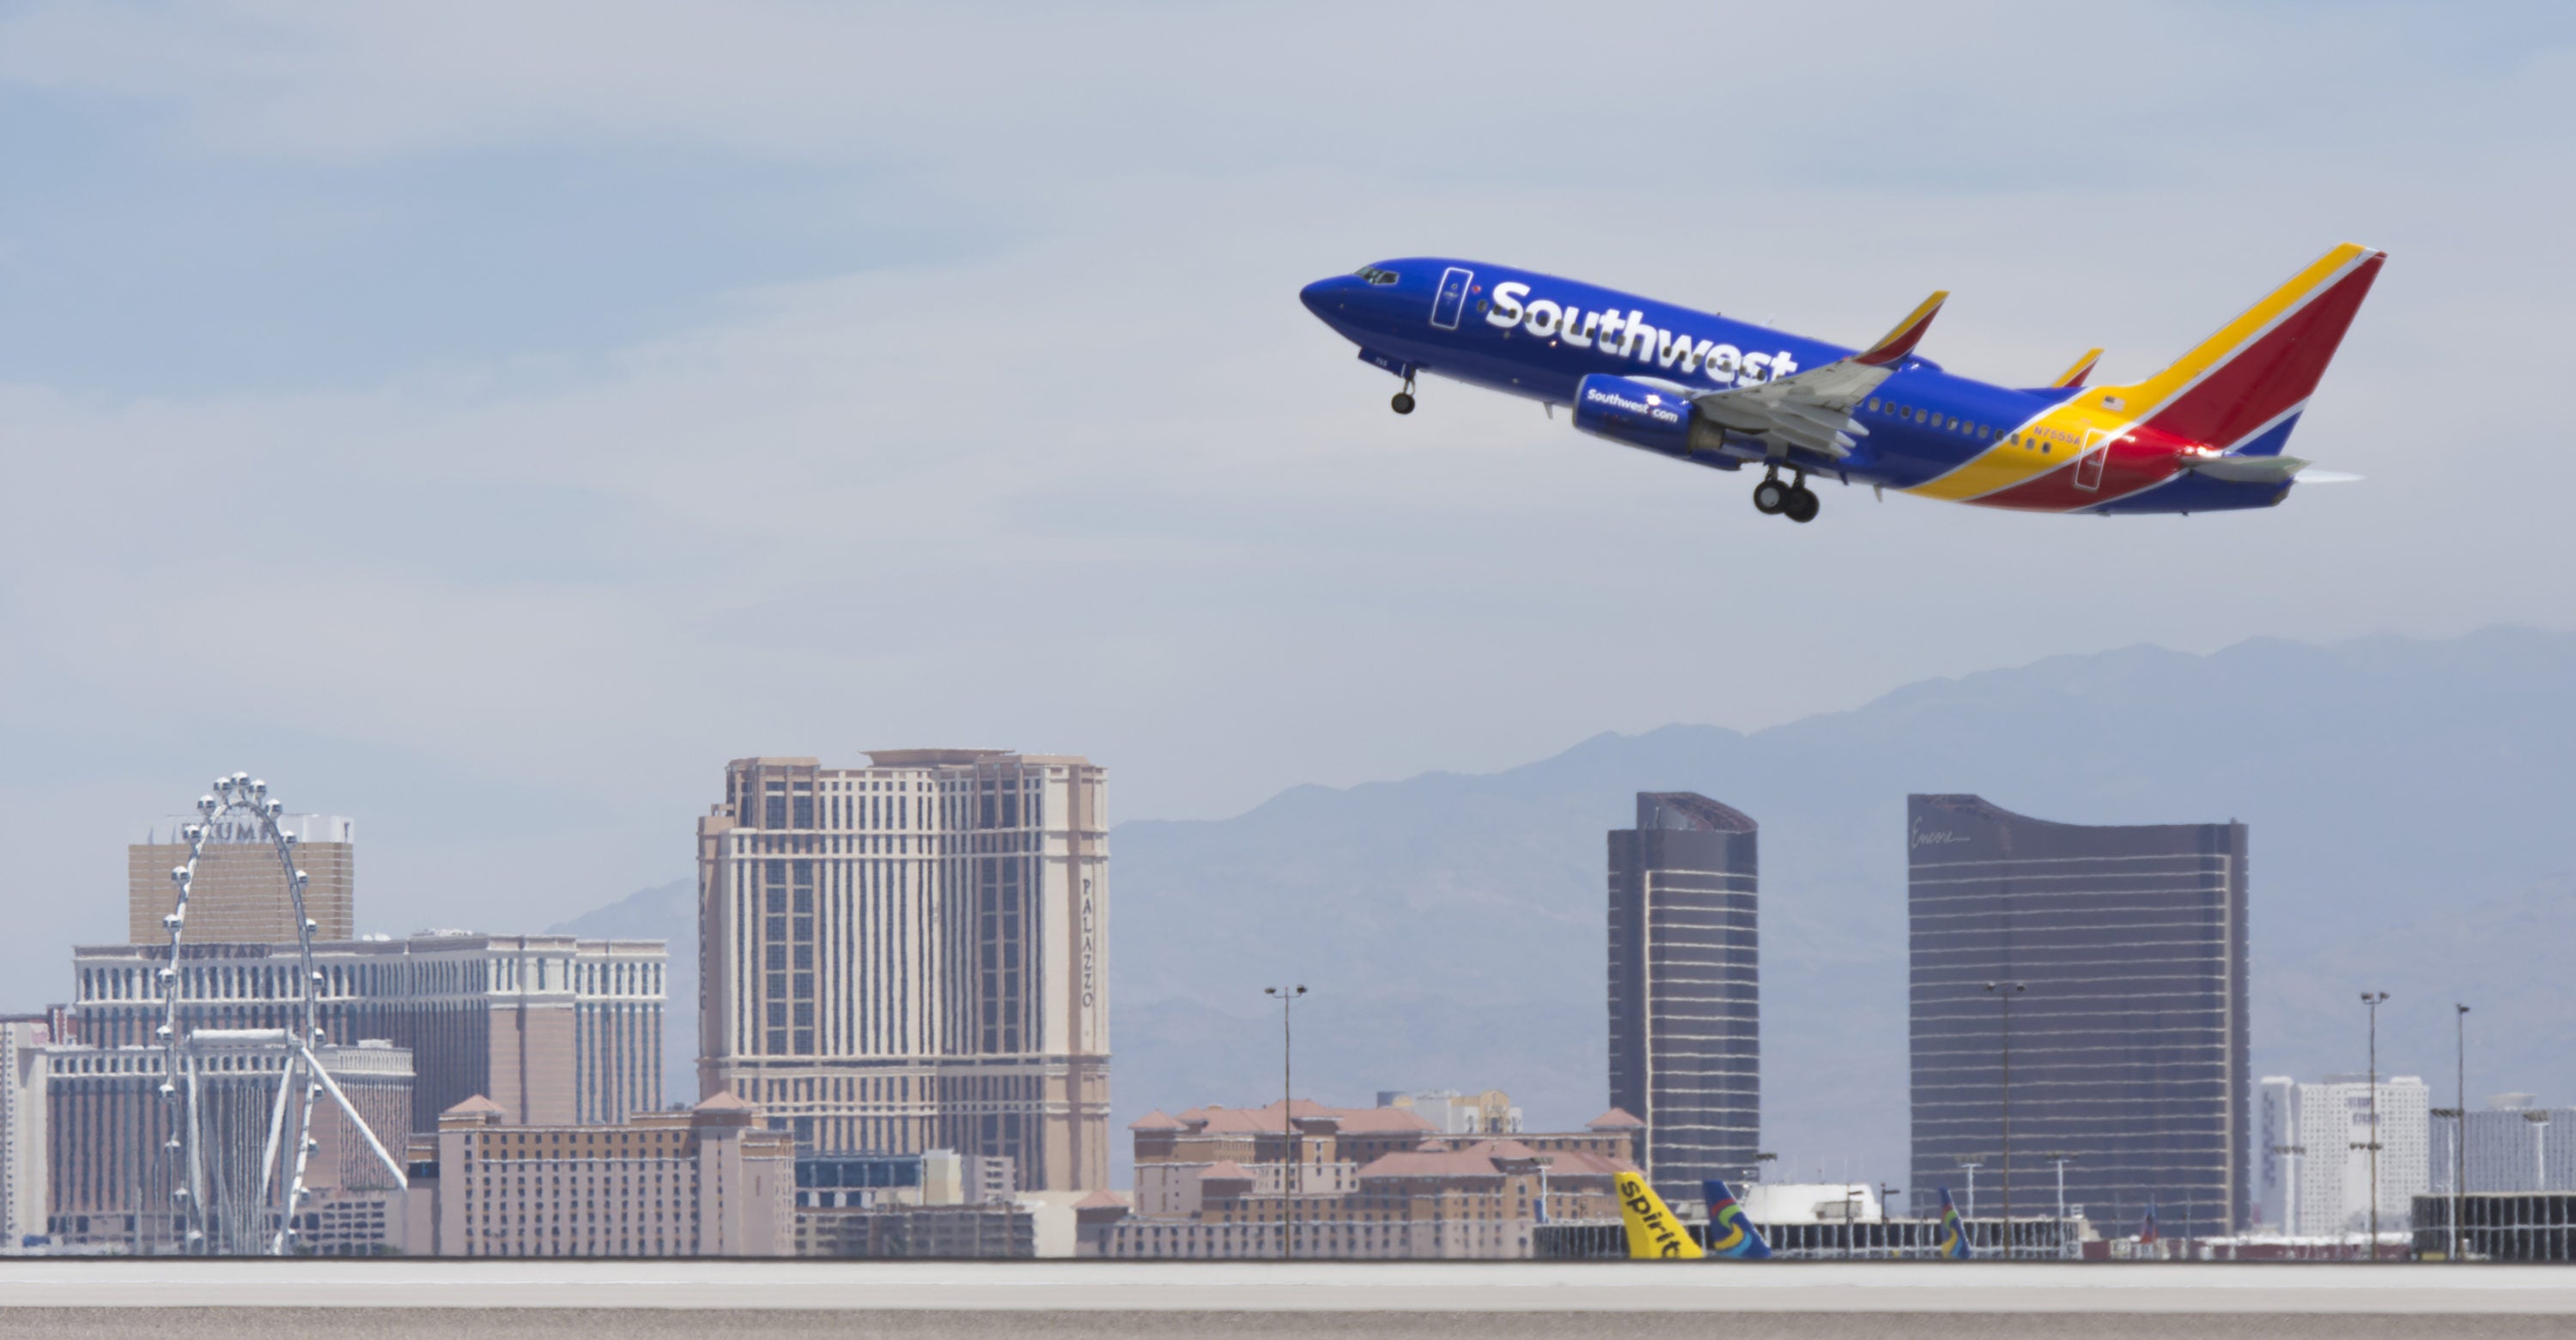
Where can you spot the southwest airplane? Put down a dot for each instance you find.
(2204, 435)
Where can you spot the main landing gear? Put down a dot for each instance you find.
(1794, 499)
(1403, 402)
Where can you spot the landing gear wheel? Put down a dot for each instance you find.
(1771, 497)
(1802, 505)
(1403, 402)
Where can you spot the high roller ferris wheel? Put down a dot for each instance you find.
(230, 1201)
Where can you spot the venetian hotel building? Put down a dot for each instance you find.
(913, 955)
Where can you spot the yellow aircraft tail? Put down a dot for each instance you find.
(1653, 1231)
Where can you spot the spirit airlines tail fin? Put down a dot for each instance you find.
(1953, 1241)
(1653, 1232)
(2074, 376)
(2243, 388)
(1730, 1234)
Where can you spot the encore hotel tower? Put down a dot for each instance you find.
(2128, 1037)
(1685, 988)
(913, 955)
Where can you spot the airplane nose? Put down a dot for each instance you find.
(1321, 297)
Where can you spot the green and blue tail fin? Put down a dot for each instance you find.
(1953, 1241)
(1730, 1234)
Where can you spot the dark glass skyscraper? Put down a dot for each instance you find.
(1685, 973)
(2128, 1047)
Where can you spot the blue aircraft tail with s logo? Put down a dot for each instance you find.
(1953, 1241)
(1730, 1234)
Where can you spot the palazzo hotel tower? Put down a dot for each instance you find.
(912, 955)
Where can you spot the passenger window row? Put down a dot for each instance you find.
(1949, 424)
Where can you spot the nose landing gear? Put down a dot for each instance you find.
(1403, 402)
(1793, 499)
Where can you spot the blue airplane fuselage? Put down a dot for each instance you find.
(1538, 336)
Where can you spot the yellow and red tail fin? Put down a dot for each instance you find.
(1653, 1231)
(1893, 346)
(2074, 376)
(2243, 387)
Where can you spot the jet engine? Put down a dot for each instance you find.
(1642, 414)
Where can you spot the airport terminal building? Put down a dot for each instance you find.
(2128, 1039)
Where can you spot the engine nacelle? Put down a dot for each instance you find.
(1641, 414)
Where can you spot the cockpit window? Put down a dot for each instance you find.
(1375, 275)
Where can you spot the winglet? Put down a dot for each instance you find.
(2074, 376)
(1896, 344)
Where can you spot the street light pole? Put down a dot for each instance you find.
(1972, 1165)
(2459, 1124)
(1288, 1118)
(2539, 1119)
(2061, 1158)
(2373, 1000)
(2290, 1191)
(2004, 993)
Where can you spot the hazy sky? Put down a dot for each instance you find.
(486, 419)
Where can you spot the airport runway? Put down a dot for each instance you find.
(572, 1300)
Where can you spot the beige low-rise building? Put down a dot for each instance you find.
(938, 1232)
(1382, 1182)
(708, 1181)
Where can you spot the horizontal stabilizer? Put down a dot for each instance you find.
(2074, 376)
(2250, 469)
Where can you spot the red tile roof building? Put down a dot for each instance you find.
(1359, 1183)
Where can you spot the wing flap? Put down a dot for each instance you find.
(1812, 409)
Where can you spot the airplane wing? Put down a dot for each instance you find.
(1812, 409)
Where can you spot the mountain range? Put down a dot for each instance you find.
(2407, 801)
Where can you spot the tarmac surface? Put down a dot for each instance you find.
(632, 1300)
